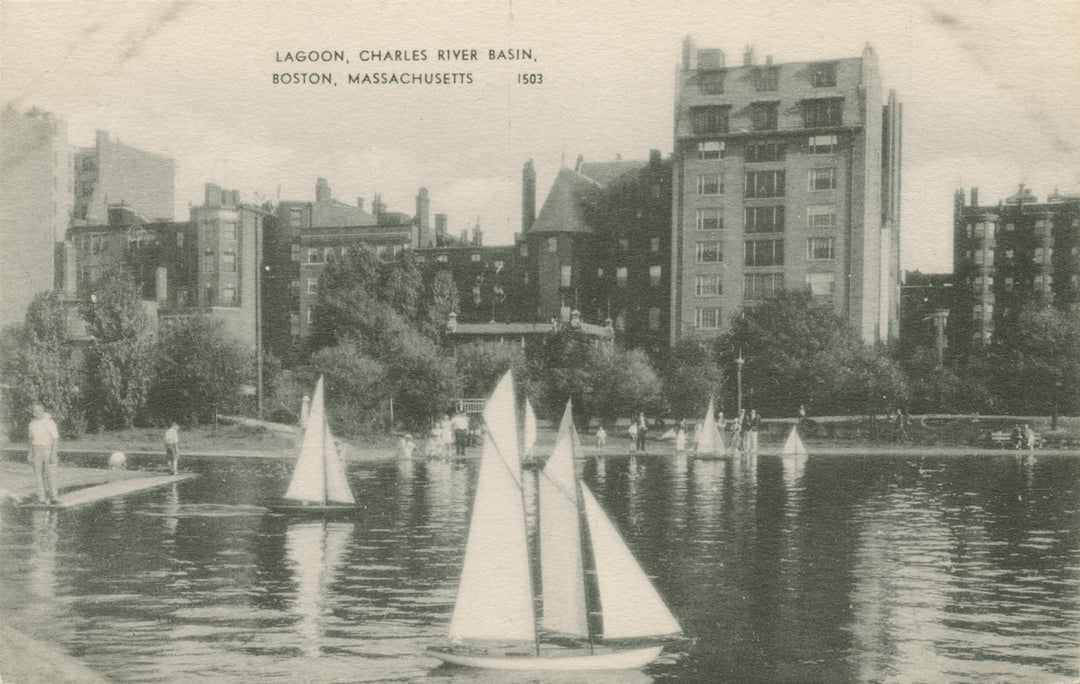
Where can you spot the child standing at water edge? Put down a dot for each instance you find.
(44, 438)
(633, 435)
(601, 436)
(172, 447)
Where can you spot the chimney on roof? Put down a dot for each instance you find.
(974, 197)
(423, 217)
(689, 54)
(322, 191)
(360, 203)
(577, 164)
(768, 60)
(748, 56)
(528, 196)
(654, 158)
(377, 206)
(440, 231)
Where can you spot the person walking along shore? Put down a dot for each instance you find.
(44, 438)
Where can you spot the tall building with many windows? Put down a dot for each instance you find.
(784, 176)
(1008, 256)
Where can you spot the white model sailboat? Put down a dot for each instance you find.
(794, 447)
(710, 441)
(319, 483)
(495, 624)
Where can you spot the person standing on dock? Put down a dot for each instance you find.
(172, 447)
(44, 438)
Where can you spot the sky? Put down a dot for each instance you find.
(989, 92)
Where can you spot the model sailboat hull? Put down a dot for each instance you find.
(315, 510)
(629, 659)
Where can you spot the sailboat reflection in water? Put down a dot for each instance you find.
(495, 623)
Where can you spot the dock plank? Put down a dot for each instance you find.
(89, 495)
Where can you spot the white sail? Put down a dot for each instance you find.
(494, 598)
(561, 563)
(794, 445)
(500, 417)
(710, 440)
(630, 604)
(319, 476)
(530, 430)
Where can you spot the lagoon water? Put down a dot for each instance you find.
(837, 569)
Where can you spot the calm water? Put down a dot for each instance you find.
(832, 569)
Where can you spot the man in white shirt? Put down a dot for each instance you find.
(172, 447)
(44, 438)
(460, 422)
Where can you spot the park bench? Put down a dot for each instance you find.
(1001, 438)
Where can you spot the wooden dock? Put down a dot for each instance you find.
(89, 495)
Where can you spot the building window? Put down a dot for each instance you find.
(564, 275)
(709, 184)
(823, 179)
(707, 317)
(228, 230)
(499, 265)
(821, 283)
(764, 183)
(761, 285)
(620, 276)
(1009, 255)
(709, 219)
(766, 79)
(820, 248)
(442, 258)
(823, 144)
(474, 258)
(624, 244)
(765, 151)
(1009, 282)
(208, 263)
(764, 253)
(1042, 228)
(599, 273)
(312, 286)
(294, 287)
(524, 250)
(327, 253)
(984, 229)
(711, 82)
(553, 244)
(179, 239)
(228, 294)
(764, 116)
(764, 219)
(709, 120)
(1043, 255)
(823, 75)
(654, 275)
(654, 318)
(310, 314)
(822, 113)
(228, 262)
(296, 217)
(209, 232)
(821, 216)
(708, 286)
(710, 149)
(654, 244)
(314, 256)
(620, 321)
(710, 252)
(1010, 227)
(294, 252)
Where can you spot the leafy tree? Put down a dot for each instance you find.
(120, 358)
(198, 369)
(621, 383)
(355, 386)
(40, 366)
(797, 352)
(1036, 358)
(481, 364)
(691, 378)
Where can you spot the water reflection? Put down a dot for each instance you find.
(817, 569)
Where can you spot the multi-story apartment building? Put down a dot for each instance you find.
(600, 245)
(209, 264)
(784, 176)
(36, 191)
(111, 173)
(1008, 255)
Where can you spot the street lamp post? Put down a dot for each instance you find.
(739, 364)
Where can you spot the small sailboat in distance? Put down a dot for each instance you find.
(495, 623)
(794, 447)
(319, 485)
(710, 441)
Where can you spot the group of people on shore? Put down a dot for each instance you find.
(44, 439)
(449, 437)
(742, 431)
